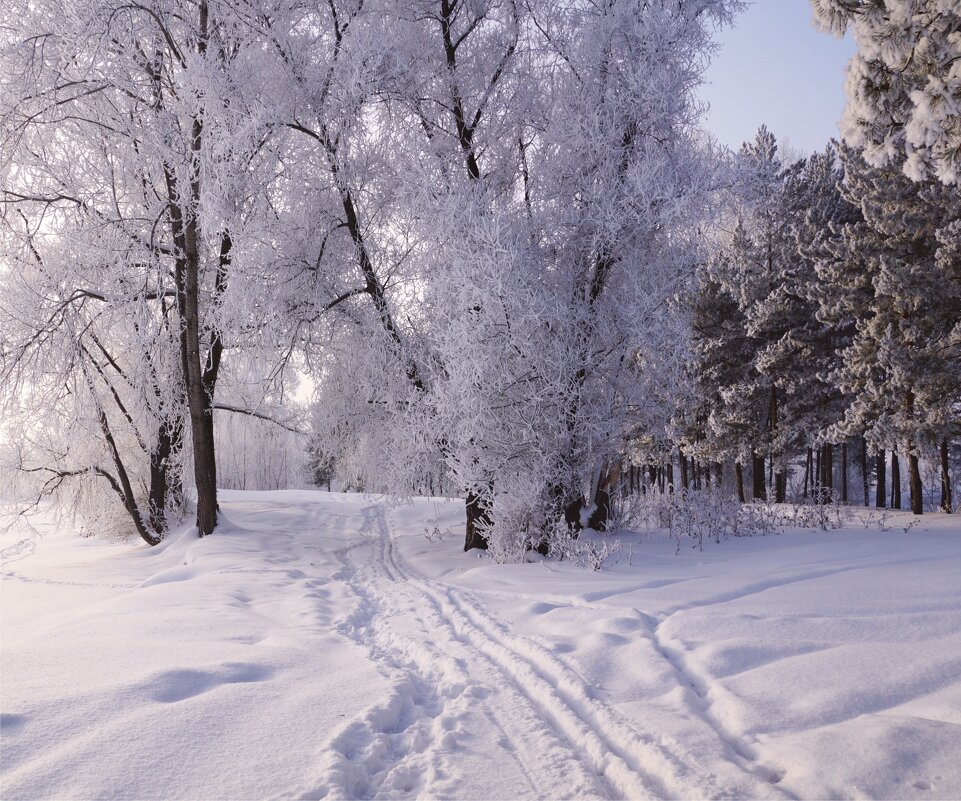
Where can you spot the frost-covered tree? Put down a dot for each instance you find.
(904, 83)
(142, 129)
(90, 377)
(723, 361)
(829, 289)
(765, 263)
(557, 301)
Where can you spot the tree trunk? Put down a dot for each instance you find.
(945, 478)
(183, 205)
(895, 481)
(864, 472)
(828, 482)
(187, 271)
(772, 475)
(478, 517)
(914, 482)
(684, 479)
(807, 470)
(758, 489)
(818, 475)
(601, 516)
(881, 497)
(844, 472)
(670, 477)
(168, 442)
(739, 481)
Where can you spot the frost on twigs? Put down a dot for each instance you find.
(583, 551)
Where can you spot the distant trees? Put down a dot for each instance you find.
(902, 114)
(902, 369)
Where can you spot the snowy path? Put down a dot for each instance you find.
(536, 709)
(320, 647)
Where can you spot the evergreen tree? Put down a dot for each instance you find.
(903, 84)
(822, 282)
(901, 369)
(765, 258)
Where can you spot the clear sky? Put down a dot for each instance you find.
(775, 68)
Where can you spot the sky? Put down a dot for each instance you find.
(775, 68)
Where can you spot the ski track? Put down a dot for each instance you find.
(462, 680)
(443, 692)
(665, 765)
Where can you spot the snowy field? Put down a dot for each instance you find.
(319, 646)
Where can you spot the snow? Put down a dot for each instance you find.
(321, 646)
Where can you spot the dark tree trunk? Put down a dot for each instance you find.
(478, 517)
(198, 402)
(881, 497)
(670, 477)
(895, 481)
(808, 467)
(607, 484)
(945, 478)
(183, 205)
(828, 480)
(758, 489)
(780, 482)
(864, 472)
(914, 482)
(772, 475)
(718, 475)
(818, 475)
(684, 479)
(739, 481)
(844, 472)
(168, 442)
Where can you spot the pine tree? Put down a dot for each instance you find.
(824, 324)
(901, 368)
(766, 260)
(903, 85)
(722, 366)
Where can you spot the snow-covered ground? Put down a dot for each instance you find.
(319, 646)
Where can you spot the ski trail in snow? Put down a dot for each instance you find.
(646, 750)
(448, 703)
(634, 764)
(701, 696)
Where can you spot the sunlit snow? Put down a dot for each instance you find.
(320, 646)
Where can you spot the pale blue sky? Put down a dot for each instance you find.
(774, 67)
